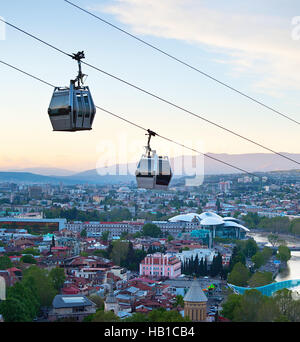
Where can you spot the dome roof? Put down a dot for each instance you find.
(209, 219)
(208, 214)
(233, 219)
(212, 221)
(195, 293)
(185, 217)
(234, 224)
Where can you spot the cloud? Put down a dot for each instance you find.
(259, 46)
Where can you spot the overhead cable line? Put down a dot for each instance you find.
(138, 126)
(184, 63)
(157, 97)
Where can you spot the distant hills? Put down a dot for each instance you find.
(252, 162)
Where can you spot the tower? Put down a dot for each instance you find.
(195, 303)
(111, 302)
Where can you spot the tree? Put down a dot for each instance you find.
(247, 309)
(5, 263)
(284, 300)
(216, 266)
(258, 260)
(28, 259)
(230, 306)
(237, 256)
(102, 316)
(150, 229)
(105, 235)
(98, 301)
(239, 275)
(218, 205)
(43, 284)
(260, 279)
(284, 253)
(295, 226)
(21, 304)
(179, 301)
(83, 233)
(273, 239)
(58, 277)
(250, 248)
(268, 311)
(13, 310)
(119, 252)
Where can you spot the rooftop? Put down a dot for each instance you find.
(195, 293)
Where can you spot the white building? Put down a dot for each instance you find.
(203, 253)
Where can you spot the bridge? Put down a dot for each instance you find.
(267, 290)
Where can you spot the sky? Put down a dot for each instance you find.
(253, 46)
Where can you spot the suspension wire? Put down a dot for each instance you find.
(26, 73)
(183, 62)
(190, 112)
(137, 125)
(156, 96)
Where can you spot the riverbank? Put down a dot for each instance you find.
(262, 236)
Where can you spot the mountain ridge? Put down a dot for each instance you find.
(251, 162)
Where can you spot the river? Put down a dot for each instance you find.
(293, 265)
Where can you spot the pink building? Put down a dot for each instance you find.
(160, 265)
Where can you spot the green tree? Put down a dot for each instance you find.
(250, 248)
(5, 263)
(58, 277)
(119, 252)
(28, 259)
(239, 275)
(83, 233)
(13, 310)
(247, 309)
(43, 284)
(150, 229)
(105, 235)
(258, 260)
(98, 301)
(102, 316)
(268, 311)
(284, 253)
(295, 226)
(230, 306)
(260, 279)
(179, 301)
(273, 239)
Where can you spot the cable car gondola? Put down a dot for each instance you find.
(72, 109)
(153, 172)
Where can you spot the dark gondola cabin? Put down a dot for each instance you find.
(153, 172)
(72, 109)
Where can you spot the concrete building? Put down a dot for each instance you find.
(115, 229)
(223, 227)
(160, 265)
(203, 253)
(76, 307)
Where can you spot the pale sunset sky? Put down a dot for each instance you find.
(246, 44)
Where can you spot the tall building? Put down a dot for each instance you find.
(35, 192)
(225, 186)
(195, 303)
